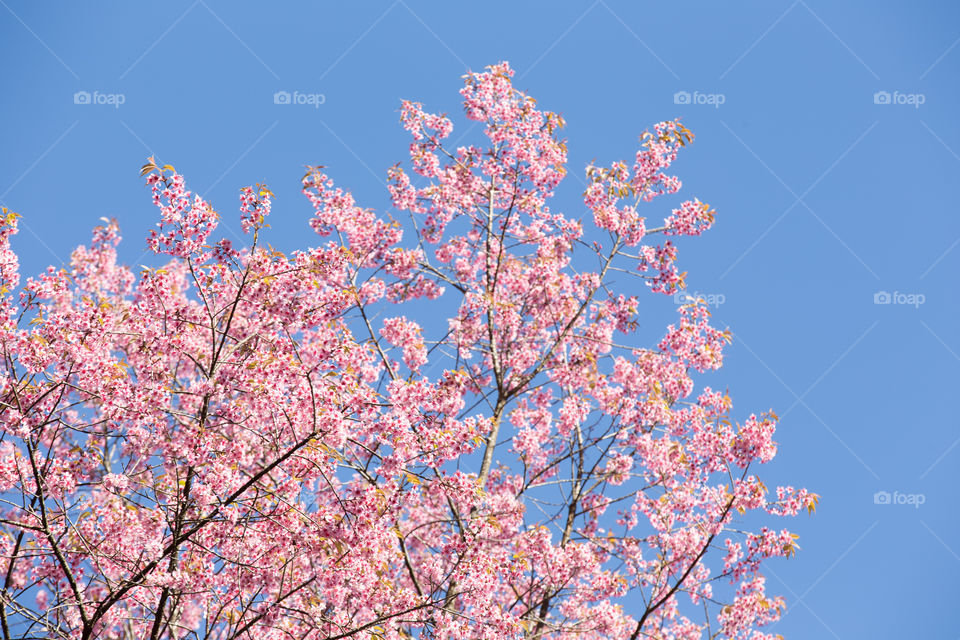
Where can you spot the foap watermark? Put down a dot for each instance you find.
(712, 99)
(909, 299)
(297, 97)
(710, 299)
(911, 99)
(111, 99)
(913, 499)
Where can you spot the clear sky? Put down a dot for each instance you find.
(827, 140)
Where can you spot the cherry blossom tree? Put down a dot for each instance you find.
(251, 444)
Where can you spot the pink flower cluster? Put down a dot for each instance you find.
(406, 334)
(694, 342)
(366, 236)
(186, 220)
(691, 219)
(255, 204)
(9, 267)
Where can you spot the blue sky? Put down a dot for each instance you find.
(827, 140)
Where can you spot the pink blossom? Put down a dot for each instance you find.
(263, 440)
